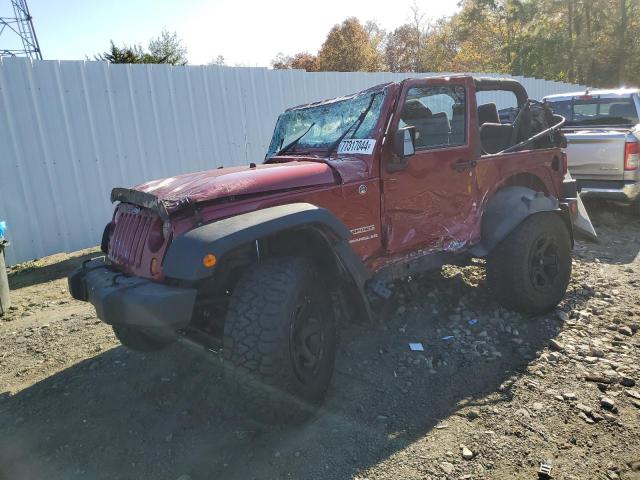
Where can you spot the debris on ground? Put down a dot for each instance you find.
(484, 400)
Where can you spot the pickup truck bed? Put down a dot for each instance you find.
(603, 136)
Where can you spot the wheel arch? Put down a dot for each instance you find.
(507, 209)
(526, 179)
(294, 229)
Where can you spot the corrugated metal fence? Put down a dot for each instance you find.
(70, 131)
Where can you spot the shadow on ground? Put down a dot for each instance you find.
(32, 273)
(127, 415)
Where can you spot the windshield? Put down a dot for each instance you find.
(596, 111)
(326, 122)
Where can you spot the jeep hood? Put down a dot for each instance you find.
(171, 194)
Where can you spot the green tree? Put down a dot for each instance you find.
(348, 48)
(126, 54)
(401, 52)
(592, 42)
(299, 61)
(281, 62)
(219, 61)
(168, 47)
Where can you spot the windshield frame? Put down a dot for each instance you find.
(376, 130)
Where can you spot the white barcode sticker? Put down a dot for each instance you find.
(357, 145)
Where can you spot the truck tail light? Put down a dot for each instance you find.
(565, 163)
(631, 156)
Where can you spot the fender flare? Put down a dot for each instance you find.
(507, 209)
(183, 260)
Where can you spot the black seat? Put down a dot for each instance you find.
(438, 130)
(495, 137)
(416, 114)
(431, 129)
(488, 113)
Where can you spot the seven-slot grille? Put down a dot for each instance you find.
(129, 238)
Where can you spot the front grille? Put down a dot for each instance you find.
(129, 237)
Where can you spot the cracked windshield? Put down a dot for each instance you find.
(327, 122)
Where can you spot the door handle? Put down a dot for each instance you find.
(461, 165)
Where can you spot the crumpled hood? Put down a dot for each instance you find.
(226, 182)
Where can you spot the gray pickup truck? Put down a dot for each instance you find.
(603, 136)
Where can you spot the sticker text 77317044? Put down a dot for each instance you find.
(353, 145)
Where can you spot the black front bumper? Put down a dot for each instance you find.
(131, 301)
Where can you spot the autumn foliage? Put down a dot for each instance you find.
(593, 42)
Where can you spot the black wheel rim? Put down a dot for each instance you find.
(307, 340)
(544, 263)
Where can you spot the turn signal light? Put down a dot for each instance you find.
(155, 266)
(209, 260)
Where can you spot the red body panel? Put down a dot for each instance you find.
(430, 205)
(231, 182)
(393, 215)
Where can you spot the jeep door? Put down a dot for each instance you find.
(430, 197)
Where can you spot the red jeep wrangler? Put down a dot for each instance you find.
(354, 193)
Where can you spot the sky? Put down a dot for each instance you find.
(245, 32)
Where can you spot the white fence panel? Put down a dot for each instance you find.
(70, 131)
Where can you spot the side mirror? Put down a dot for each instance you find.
(404, 142)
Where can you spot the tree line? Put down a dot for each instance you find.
(593, 42)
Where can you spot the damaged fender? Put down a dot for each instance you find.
(506, 210)
(183, 260)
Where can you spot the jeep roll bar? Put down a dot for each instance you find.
(486, 84)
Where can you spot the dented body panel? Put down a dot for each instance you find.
(433, 203)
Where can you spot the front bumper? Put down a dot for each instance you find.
(131, 301)
(627, 192)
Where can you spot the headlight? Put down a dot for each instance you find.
(156, 236)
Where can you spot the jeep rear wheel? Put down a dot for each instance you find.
(279, 340)
(529, 271)
(141, 340)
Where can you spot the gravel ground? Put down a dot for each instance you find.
(499, 396)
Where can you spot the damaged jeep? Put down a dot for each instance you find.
(267, 260)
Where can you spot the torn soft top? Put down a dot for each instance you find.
(142, 199)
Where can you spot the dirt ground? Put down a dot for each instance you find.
(493, 401)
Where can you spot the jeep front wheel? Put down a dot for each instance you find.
(529, 271)
(279, 340)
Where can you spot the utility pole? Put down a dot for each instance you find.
(18, 30)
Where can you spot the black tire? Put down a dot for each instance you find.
(140, 340)
(279, 341)
(529, 271)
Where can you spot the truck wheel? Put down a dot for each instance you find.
(139, 340)
(529, 271)
(279, 340)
